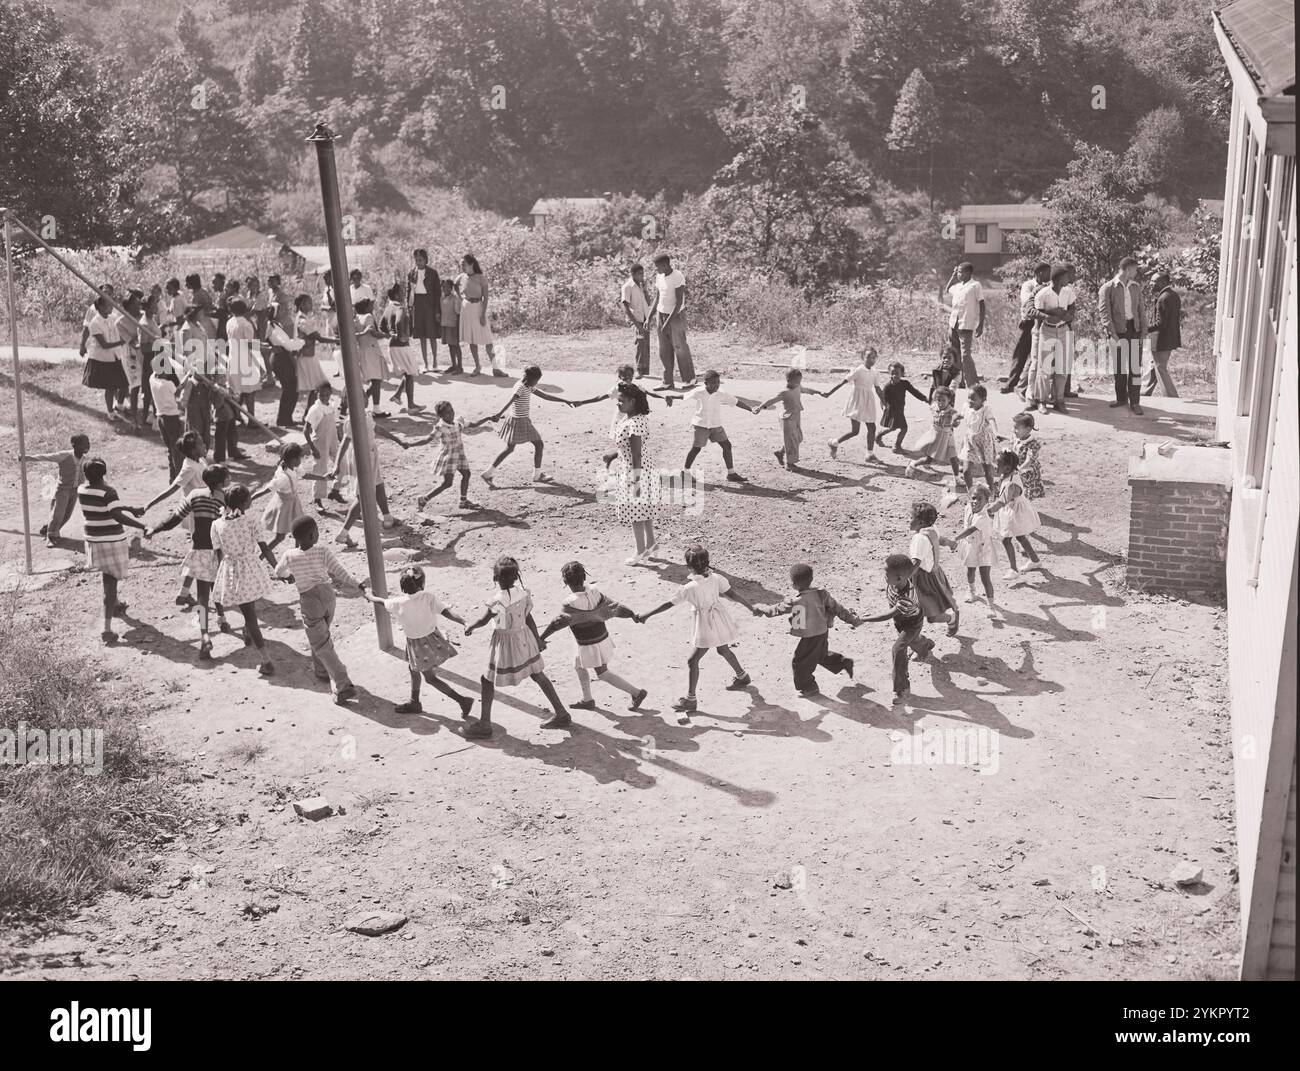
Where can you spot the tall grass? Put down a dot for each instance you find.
(66, 834)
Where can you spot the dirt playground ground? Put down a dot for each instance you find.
(1017, 819)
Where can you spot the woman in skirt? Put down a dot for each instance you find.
(933, 591)
(242, 574)
(104, 349)
(285, 506)
(401, 354)
(417, 611)
(451, 460)
(475, 320)
(425, 290)
(516, 651)
(518, 427)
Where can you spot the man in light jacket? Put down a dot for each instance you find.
(1123, 320)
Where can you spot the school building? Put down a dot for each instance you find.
(1255, 349)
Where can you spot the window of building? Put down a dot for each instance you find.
(981, 234)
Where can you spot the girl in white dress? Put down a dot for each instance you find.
(401, 354)
(862, 405)
(975, 544)
(311, 329)
(980, 446)
(1015, 515)
(242, 575)
(285, 506)
(714, 625)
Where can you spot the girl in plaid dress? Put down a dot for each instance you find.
(451, 457)
(519, 428)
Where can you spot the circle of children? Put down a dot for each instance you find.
(237, 549)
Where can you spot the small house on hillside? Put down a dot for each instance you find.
(217, 250)
(985, 227)
(315, 259)
(551, 206)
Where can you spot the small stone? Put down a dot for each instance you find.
(374, 923)
(314, 808)
(1186, 873)
(782, 881)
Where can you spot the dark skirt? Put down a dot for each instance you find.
(428, 652)
(934, 593)
(425, 310)
(104, 375)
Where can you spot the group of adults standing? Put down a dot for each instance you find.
(1043, 358)
(665, 314)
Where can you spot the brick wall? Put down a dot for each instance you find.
(1178, 521)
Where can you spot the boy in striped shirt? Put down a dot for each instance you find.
(315, 570)
(106, 546)
(905, 611)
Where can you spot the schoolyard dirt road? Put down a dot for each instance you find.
(1018, 819)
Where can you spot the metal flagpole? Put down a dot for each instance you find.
(18, 387)
(323, 138)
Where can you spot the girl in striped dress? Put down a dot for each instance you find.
(518, 427)
(451, 459)
(106, 547)
(585, 612)
(200, 564)
(516, 651)
(242, 575)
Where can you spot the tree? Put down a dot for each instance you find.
(59, 157)
(188, 127)
(1155, 155)
(1095, 216)
(781, 201)
(321, 51)
(258, 74)
(914, 129)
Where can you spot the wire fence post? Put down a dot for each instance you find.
(18, 387)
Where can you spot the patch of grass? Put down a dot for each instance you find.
(69, 834)
(247, 751)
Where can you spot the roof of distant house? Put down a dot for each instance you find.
(240, 237)
(317, 257)
(1008, 217)
(547, 206)
(1263, 34)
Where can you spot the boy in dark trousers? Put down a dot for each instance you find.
(811, 612)
(905, 611)
(64, 499)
